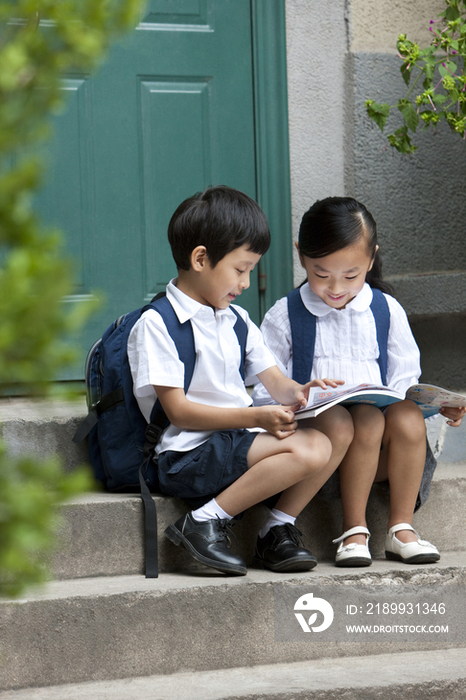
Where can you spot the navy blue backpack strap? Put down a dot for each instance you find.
(381, 313)
(303, 336)
(303, 333)
(182, 335)
(241, 330)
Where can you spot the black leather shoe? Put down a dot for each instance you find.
(207, 542)
(281, 550)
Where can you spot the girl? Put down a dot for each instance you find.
(338, 248)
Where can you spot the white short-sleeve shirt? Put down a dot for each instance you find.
(346, 343)
(216, 381)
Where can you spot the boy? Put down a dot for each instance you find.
(210, 455)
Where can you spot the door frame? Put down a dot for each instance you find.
(272, 146)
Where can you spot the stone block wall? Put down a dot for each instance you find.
(340, 54)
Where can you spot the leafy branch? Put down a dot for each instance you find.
(40, 40)
(441, 67)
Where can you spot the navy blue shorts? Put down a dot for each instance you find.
(201, 474)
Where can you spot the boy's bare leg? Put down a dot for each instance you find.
(297, 466)
(402, 462)
(276, 465)
(337, 425)
(359, 467)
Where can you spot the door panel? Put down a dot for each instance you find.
(188, 104)
(178, 12)
(67, 198)
(170, 112)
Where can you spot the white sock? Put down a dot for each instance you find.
(210, 511)
(276, 517)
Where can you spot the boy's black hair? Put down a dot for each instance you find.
(221, 219)
(336, 222)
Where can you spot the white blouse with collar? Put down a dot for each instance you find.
(346, 343)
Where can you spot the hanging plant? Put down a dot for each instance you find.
(435, 77)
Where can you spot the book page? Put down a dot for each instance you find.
(430, 395)
(319, 397)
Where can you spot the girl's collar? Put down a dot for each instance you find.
(318, 307)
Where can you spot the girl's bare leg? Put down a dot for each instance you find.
(359, 467)
(402, 462)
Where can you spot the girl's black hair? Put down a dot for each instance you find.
(336, 222)
(221, 219)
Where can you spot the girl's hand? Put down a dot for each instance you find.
(455, 415)
(323, 383)
(277, 420)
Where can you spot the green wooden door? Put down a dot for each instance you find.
(170, 112)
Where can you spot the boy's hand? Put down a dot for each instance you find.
(189, 415)
(454, 414)
(288, 392)
(323, 383)
(277, 420)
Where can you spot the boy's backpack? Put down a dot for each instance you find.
(303, 333)
(121, 443)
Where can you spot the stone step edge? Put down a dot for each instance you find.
(147, 626)
(451, 562)
(444, 471)
(402, 674)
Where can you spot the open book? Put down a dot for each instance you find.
(428, 397)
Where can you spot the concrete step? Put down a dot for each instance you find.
(43, 427)
(102, 533)
(103, 621)
(436, 674)
(102, 629)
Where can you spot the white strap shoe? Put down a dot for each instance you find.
(353, 554)
(420, 552)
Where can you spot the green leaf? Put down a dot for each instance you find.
(428, 82)
(439, 99)
(409, 114)
(401, 141)
(429, 72)
(378, 112)
(447, 68)
(451, 13)
(406, 72)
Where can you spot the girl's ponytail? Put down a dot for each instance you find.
(374, 277)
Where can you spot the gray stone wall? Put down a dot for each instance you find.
(345, 55)
(316, 55)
